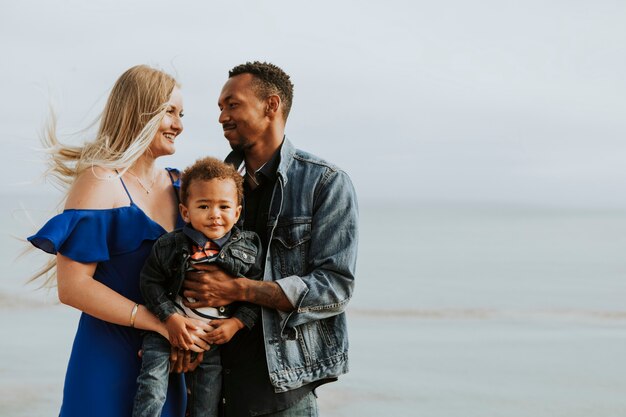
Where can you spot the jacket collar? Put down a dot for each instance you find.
(201, 240)
(286, 158)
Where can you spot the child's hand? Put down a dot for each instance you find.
(178, 328)
(225, 329)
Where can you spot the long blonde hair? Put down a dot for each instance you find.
(130, 120)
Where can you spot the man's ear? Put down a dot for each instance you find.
(184, 212)
(273, 104)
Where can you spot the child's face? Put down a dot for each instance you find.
(211, 206)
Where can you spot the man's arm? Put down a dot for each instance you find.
(323, 292)
(211, 286)
(331, 256)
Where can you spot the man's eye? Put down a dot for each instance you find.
(233, 105)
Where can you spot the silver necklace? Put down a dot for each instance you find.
(252, 177)
(147, 189)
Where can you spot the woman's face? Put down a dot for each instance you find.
(171, 126)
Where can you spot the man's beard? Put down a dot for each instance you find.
(241, 146)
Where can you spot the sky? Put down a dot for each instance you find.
(448, 102)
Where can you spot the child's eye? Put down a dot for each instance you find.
(224, 207)
(203, 207)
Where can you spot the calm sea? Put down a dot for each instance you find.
(458, 311)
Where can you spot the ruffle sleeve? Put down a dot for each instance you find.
(96, 235)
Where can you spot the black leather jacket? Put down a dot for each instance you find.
(162, 276)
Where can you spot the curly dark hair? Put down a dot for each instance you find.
(269, 79)
(206, 169)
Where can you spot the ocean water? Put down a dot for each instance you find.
(457, 311)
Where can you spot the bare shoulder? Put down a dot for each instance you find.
(96, 188)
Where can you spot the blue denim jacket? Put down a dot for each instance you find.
(312, 256)
(162, 275)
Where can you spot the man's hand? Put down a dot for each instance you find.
(180, 360)
(210, 286)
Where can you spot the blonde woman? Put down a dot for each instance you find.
(118, 203)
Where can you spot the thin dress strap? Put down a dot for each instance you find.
(125, 189)
(173, 182)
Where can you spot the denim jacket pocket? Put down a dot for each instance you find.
(247, 257)
(291, 242)
(315, 341)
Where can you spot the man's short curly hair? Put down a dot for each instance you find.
(206, 169)
(269, 79)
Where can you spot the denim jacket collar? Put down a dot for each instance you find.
(201, 240)
(287, 152)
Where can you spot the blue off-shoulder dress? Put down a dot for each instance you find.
(101, 378)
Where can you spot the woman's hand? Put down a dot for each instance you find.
(180, 360)
(199, 334)
(197, 331)
(178, 328)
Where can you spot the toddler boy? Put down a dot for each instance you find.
(211, 198)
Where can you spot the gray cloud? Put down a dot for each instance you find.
(492, 101)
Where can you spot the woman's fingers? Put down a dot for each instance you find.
(189, 339)
(199, 324)
(197, 349)
(198, 342)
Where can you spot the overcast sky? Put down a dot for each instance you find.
(507, 102)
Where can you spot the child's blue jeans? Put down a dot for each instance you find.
(204, 384)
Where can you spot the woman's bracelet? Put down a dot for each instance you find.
(133, 315)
